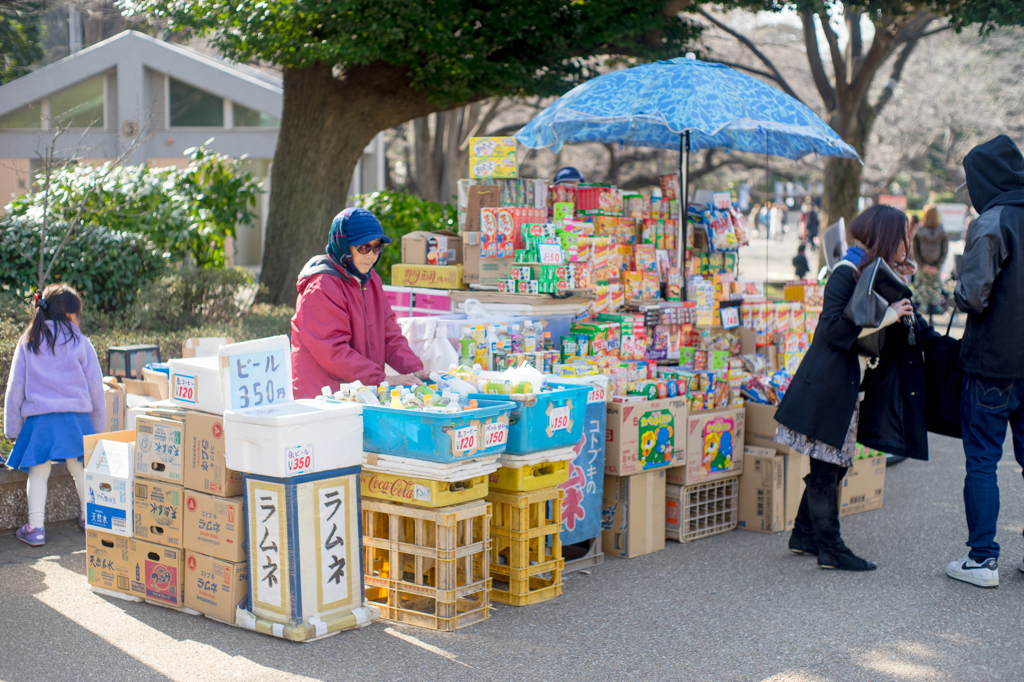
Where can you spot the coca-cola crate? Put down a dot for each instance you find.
(425, 607)
(422, 492)
(697, 511)
(526, 549)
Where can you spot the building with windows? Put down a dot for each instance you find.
(173, 97)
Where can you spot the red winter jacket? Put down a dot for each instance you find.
(343, 331)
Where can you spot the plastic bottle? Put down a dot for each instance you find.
(384, 393)
(422, 392)
(548, 343)
(396, 398)
(529, 338)
(500, 358)
(467, 344)
(453, 383)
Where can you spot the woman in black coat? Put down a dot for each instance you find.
(840, 397)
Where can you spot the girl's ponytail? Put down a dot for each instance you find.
(55, 304)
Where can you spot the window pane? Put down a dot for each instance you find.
(26, 117)
(250, 118)
(194, 108)
(80, 106)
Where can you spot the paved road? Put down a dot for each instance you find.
(733, 607)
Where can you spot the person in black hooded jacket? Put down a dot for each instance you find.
(991, 291)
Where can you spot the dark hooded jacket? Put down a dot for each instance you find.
(991, 285)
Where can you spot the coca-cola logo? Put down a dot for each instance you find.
(398, 487)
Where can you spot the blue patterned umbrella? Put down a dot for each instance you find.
(653, 105)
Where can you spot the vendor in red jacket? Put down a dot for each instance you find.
(344, 328)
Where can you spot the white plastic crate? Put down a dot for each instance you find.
(294, 438)
(697, 511)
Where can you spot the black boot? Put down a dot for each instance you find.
(823, 505)
(802, 539)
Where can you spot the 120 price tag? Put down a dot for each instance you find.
(185, 388)
(495, 433)
(559, 419)
(465, 438)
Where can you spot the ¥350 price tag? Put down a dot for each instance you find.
(559, 419)
(299, 459)
(465, 439)
(495, 433)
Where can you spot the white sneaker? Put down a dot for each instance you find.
(985, 574)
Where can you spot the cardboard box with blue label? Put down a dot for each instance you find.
(109, 476)
(645, 435)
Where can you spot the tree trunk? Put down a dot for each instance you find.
(326, 124)
(842, 178)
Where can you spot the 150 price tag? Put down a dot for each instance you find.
(598, 394)
(184, 388)
(465, 438)
(299, 459)
(559, 419)
(495, 433)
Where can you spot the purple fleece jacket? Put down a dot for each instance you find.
(67, 380)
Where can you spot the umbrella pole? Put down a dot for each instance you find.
(684, 227)
(768, 215)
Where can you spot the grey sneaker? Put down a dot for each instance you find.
(984, 574)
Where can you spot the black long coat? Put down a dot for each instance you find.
(823, 394)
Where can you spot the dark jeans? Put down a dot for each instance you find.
(986, 407)
(823, 476)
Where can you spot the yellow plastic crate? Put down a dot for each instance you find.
(421, 492)
(532, 586)
(531, 477)
(526, 561)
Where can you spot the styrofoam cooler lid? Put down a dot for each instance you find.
(250, 368)
(295, 413)
(543, 457)
(205, 363)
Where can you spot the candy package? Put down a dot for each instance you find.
(719, 226)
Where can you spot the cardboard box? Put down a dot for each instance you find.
(159, 516)
(862, 487)
(480, 196)
(633, 515)
(207, 346)
(215, 526)
(428, 276)
(203, 467)
(157, 573)
(479, 270)
(761, 426)
(214, 587)
(108, 559)
(770, 489)
(114, 396)
(158, 449)
(442, 247)
(644, 435)
(714, 448)
(109, 475)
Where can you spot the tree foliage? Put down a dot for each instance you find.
(399, 214)
(20, 38)
(457, 50)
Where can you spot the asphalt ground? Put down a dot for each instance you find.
(737, 606)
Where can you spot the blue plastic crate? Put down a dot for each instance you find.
(545, 421)
(437, 437)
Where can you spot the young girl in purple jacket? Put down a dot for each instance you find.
(54, 398)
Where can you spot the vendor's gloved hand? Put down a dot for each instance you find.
(405, 380)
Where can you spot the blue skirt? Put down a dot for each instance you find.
(48, 437)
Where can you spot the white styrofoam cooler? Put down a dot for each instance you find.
(195, 383)
(294, 438)
(242, 375)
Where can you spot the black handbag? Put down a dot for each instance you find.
(877, 288)
(944, 381)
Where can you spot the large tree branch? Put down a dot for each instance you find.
(882, 47)
(821, 81)
(854, 45)
(838, 67)
(906, 37)
(749, 44)
(894, 77)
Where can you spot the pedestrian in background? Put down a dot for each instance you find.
(990, 290)
(54, 398)
(800, 261)
(813, 224)
(931, 246)
(840, 397)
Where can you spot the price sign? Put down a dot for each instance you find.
(559, 419)
(465, 438)
(299, 459)
(598, 394)
(495, 433)
(730, 317)
(550, 254)
(722, 200)
(185, 388)
(258, 379)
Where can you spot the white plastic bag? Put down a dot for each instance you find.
(429, 341)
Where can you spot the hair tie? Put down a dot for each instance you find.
(42, 303)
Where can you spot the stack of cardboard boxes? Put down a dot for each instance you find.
(657, 452)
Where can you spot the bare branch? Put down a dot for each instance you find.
(838, 67)
(903, 38)
(825, 89)
(749, 44)
(894, 77)
(748, 69)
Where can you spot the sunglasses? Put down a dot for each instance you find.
(376, 247)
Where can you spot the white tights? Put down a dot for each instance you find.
(38, 477)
